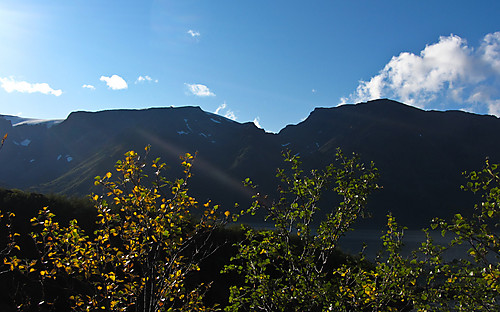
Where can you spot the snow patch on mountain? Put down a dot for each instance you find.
(204, 135)
(19, 121)
(24, 142)
(187, 125)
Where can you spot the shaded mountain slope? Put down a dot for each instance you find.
(420, 154)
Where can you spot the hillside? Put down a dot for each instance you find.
(420, 154)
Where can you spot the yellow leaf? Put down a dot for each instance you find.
(227, 213)
(108, 175)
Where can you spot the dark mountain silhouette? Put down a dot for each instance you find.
(420, 154)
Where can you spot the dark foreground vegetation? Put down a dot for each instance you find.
(145, 244)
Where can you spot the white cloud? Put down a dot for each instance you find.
(228, 114)
(199, 90)
(221, 107)
(313, 90)
(494, 107)
(490, 50)
(256, 122)
(11, 85)
(87, 86)
(115, 82)
(448, 72)
(193, 33)
(144, 79)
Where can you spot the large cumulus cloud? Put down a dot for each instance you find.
(446, 74)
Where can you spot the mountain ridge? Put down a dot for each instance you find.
(420, 154)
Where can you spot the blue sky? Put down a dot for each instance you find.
(271, 62)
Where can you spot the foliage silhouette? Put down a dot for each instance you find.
(144, 246)
(146, 250)
(289, 268)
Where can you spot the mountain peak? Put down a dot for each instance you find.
(420, 154)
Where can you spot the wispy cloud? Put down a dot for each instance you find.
(193, 33)
(115, 82)
(228, 113)
(199, 90)
(221, 107)
(256, 122)
(145, 79)
(445, 73)
(11, 85)
(87, 86)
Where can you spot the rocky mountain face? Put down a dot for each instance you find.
(420, 154)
